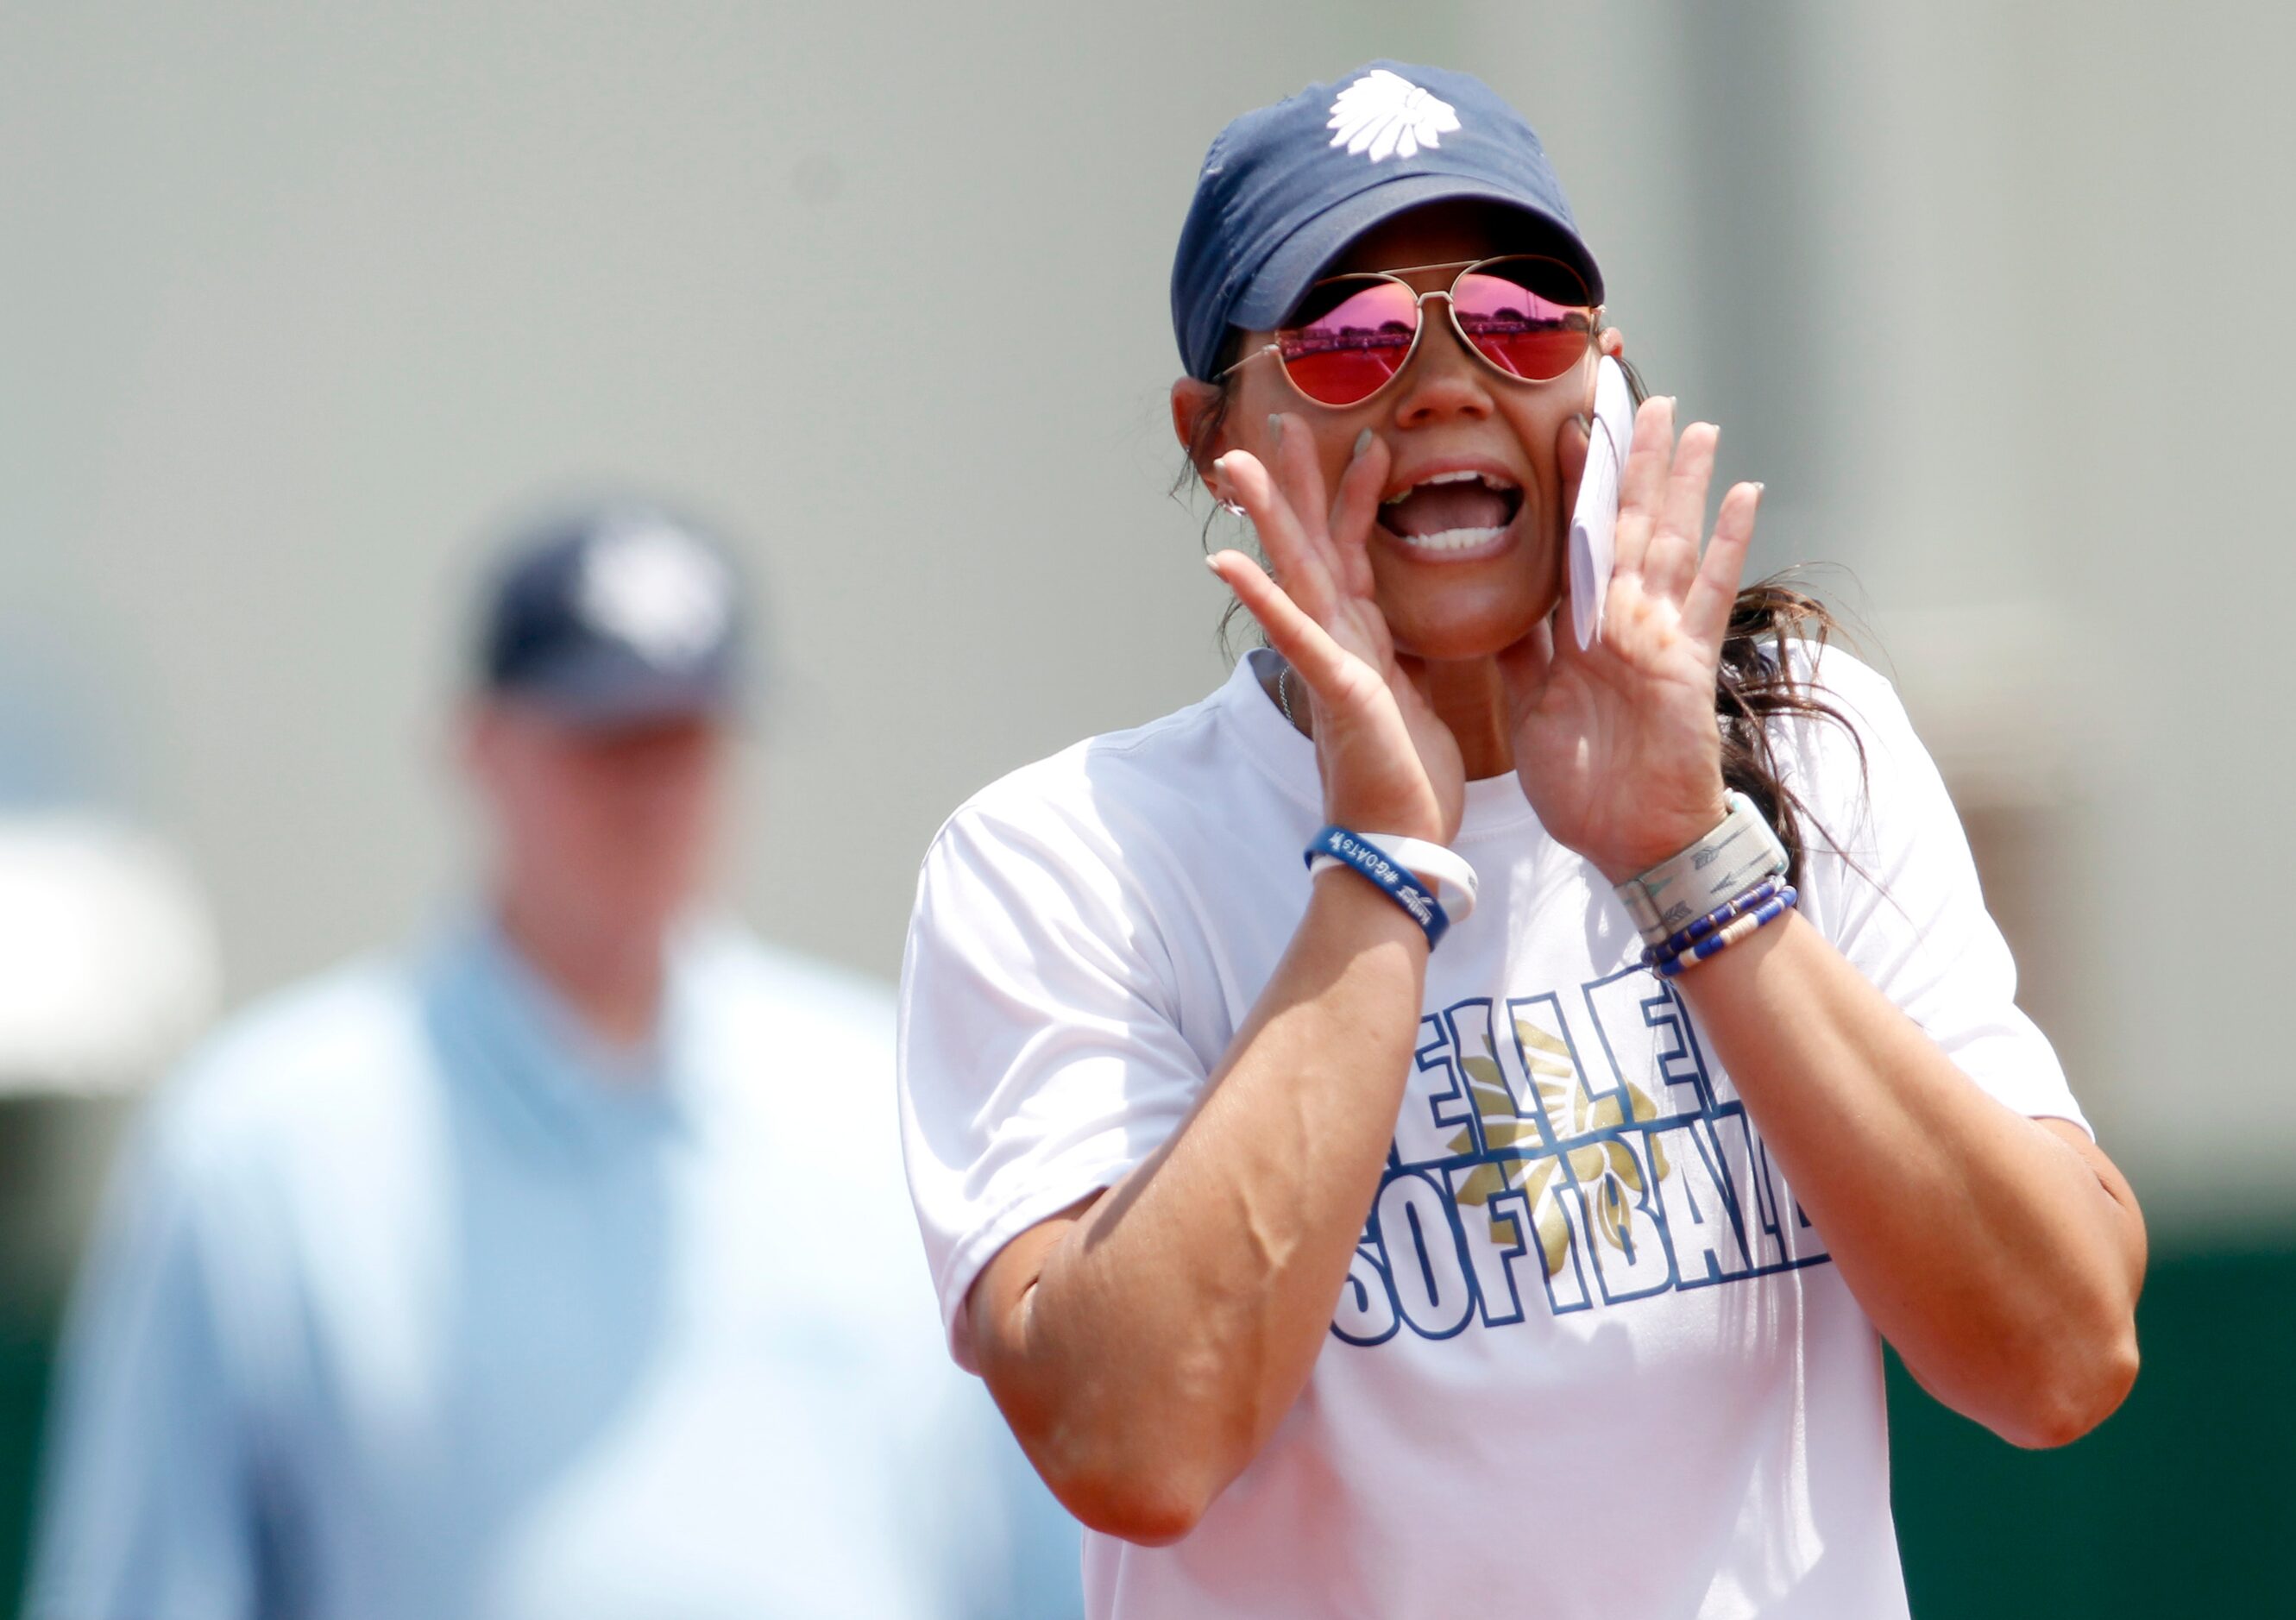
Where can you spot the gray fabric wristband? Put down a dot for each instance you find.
(1724, 864)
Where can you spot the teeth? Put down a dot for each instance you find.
(1450, 539)
(1502, 486)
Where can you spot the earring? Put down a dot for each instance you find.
(1234, 509)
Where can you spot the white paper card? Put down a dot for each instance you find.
(1595, 521)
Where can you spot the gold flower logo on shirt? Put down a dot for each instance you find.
(1606, 1170)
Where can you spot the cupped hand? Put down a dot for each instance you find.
(1617, 745)
(1388, 764)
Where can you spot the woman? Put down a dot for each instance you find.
(1323, 1269)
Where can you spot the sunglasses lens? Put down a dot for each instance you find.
(1349, 337)
(1527, 316)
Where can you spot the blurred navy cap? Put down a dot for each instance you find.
(1284, 188)
(616, 613)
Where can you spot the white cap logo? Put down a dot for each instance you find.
(649, 585)
(1383, 113)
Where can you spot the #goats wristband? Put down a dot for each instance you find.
(1455, 884)
(1352, 850)
(1728, 861)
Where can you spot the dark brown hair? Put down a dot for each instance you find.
(1755, 684)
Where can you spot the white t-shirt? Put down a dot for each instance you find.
(1591, 1358)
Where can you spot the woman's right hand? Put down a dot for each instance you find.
(1388, 764)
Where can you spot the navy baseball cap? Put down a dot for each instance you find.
(615, 614)
(1285, 188)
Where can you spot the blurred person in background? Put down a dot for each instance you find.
(559, 1268)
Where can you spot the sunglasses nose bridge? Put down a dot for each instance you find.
(1442, 374)
(1450, 322)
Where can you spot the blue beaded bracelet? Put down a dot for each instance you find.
(1399, 885)
(1730, 933)
(1675, 944)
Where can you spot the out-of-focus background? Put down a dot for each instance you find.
(295, 301)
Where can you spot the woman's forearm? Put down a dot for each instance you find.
(1146, 1348)
(2000, 1259)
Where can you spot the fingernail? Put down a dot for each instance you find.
(1213, 567)
(1362, 441)
(1275, 427)
(1219, 464)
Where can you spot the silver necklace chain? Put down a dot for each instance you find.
(1283, 696)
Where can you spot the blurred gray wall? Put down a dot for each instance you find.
(295, 300)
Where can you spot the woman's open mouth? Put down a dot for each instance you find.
(1452, 515)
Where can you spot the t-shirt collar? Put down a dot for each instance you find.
(497, 1009)
(1495, 804)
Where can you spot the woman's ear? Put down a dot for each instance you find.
(1193, 402)
(1611, 342)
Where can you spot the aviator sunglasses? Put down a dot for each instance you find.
(1526, 317)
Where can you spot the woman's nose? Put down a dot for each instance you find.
(1444, 378)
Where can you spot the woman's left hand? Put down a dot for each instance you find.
(1617, 746)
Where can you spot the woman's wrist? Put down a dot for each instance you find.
(1731, 971)
(1724, 867)
(1659, 840)
(1431, 883)
(1393, 819)
(1343, 900)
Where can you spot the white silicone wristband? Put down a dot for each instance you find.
(1724, 864)
(1455, 880)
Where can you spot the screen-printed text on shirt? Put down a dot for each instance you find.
(1570, 1153)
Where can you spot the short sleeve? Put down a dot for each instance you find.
(1040, 1057)
(147, 1507)
(1894, 886)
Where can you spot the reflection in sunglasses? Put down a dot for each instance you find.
(1524, 316)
